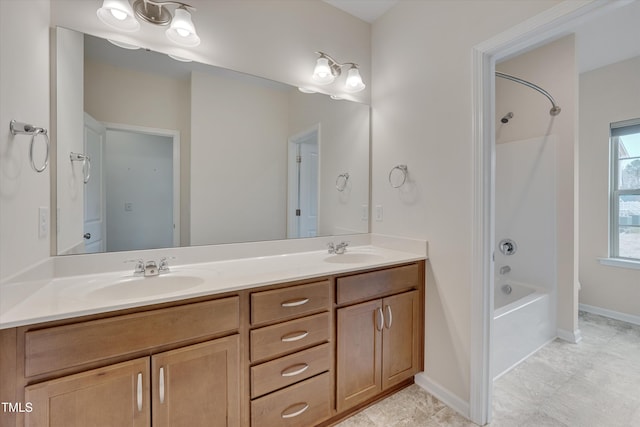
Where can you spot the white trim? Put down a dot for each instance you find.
(542, 28)
(573, 337)
(619, 262)
(445, 396)
(175, 134)
(624, 317)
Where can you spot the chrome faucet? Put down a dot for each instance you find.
(139, 270)
(505, 269)
(163, 267)
(151, 269)
(338, 249)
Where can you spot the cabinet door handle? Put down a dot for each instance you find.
(389, 321)
(379, 318)
(294, 370)
(294, 336)
(139, 392)
(161, 385)
(296, 413)
(295, 302)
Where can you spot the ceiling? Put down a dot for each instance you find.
(367, 10)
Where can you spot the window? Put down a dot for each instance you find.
(625, 190)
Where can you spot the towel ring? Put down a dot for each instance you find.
(341, 181)
(18, 128)
(86, 164)
(403, 171)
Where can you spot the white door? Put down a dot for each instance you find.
(308, 184)
(304, 160)
(94, 194)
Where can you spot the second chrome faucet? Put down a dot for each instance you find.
(338, 249)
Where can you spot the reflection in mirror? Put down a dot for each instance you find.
(190, 154)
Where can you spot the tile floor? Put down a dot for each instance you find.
(593, 383)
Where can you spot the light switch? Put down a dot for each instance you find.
(378, 212)
(365, 212)
(128, 206)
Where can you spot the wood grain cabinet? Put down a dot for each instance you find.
(291, 375)
(192, 386)
(378, 341)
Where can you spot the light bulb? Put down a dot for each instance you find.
(182, 31)
(322, 74)
(354, 81)
(118, 14)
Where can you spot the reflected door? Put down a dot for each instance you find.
(94, 194)
(303, 184)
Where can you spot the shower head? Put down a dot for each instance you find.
(506, 117)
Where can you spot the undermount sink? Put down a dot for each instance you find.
(138, 287)
(353, 258)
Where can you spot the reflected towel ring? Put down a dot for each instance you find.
(402, 171)
(18, 128)
(86, 164)
(341, 181)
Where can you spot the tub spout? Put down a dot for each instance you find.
(505, 269)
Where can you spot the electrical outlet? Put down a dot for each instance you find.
(128, 206)
(378, 212)
(43, 222)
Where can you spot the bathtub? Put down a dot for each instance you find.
(523, 322)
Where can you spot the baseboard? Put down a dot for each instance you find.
(570, 336)
(629, 318)
(442, 394)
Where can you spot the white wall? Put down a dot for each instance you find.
(238, 160)
(552, 67)
(422, 109)
(24, 84)
(609, 94)
(69, 110)
(344, 148)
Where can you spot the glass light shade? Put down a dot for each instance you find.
(123, 45)
(118, 14)
(322, 73)
(354, 81)
(182, 31)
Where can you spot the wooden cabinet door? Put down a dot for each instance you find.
(198, 385)
(116, 395)
(359, 351)
(400, 338)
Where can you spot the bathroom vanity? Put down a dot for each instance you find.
(298, 352)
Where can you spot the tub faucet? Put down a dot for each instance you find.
(505, 269)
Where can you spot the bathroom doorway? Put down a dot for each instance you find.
(304, 160)
(141, 170)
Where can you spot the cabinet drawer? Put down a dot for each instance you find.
(364, 286)
(278, 304)
(300, 405)
(47, 350)
(276, 340)
(287, 370)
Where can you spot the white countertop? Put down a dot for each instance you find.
(25, 302)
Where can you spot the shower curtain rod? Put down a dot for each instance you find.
(555, 108)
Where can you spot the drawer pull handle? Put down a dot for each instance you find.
(379, 319)
(295, 302)
(294, 336)
(389, 321)
(296, 413)
(139, 392)
(298, 369)
(161, 385)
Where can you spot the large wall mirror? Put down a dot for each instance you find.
(154, 152)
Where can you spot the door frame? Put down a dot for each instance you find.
(175, 135)
(91, 122)
(547, 26)
(292, 182)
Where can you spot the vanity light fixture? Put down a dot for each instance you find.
(121, 15)
(328, 69)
